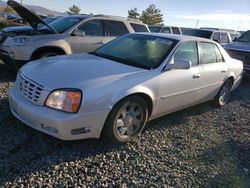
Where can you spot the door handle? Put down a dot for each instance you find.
(196, 76)
(223, 71)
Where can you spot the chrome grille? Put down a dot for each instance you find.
(29, 89)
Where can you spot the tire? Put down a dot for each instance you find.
(47, 54)
(224, 94)
(126, 120)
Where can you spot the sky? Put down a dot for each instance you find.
(186, 13)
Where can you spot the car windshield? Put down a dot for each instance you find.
(143, 51)
(198, 33)
(154, 29)
(245, 37)
(63, 24)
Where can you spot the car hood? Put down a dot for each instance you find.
(76, 71)
(29, 16)
(240, 46)
(17, 28)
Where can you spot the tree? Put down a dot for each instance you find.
(152, 16)
(74, 10)
(133, 13)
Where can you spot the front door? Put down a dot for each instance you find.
(94, 37)
(179, 88)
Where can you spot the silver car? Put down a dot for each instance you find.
(114, 90)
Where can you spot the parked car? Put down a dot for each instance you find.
(233, 33)
(165, 29)
(240, 49)
(71, 34)
(114, 90)
(219, 36)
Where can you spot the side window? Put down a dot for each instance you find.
(224, 38)
(176, 30)
(139, 27)
(216, 37)
(208, 54)
(187, 51)
(92, 28)
(116, 28)
(166, 30)
(219, 57)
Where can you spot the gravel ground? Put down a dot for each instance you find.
(198, 147)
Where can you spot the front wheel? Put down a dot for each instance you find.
(126, 120)
(224, 94)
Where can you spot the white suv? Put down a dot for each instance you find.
(70, 34)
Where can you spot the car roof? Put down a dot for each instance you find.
(175, 37)
(80, 16)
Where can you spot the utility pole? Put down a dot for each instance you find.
(197, 23)
(21, 2)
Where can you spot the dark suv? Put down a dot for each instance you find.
(240, 49)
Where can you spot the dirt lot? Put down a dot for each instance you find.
(196, 147)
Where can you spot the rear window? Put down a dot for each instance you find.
(139, 27)
(116, 28)
(166, 30)
(176, 30)
(224, 38)
(154, 29)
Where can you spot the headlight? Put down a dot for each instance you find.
(20, 40)
(68, 100)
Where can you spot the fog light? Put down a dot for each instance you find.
(12, 55)
(49, 129)
(80, 131)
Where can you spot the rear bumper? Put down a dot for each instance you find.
(237, 82)
(58, 124)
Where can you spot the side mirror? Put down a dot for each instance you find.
(78, 33)
(182, 64)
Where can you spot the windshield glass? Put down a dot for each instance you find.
(142, 51)
(154, 29)
(245, 37)
(198, 33)
(64, 24)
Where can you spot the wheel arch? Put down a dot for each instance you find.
(148, 99)
(43, 49)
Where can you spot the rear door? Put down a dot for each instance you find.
(114, 29)
(213, 70)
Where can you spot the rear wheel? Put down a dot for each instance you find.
(126, 120)
(224, 94)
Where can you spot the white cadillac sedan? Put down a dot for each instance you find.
(114, 90)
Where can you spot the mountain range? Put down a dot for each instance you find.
(38, 9)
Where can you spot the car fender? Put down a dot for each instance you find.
(138, 90)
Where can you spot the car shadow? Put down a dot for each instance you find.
(6, 74)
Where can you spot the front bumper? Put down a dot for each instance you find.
(61, 125)
(11, 63)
